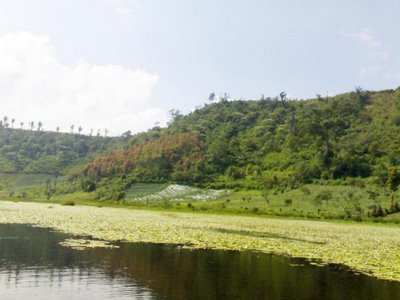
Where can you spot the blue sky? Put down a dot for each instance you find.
(187, 49)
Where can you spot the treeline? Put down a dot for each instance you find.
(37, 151)
(262, 144)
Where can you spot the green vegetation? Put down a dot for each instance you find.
(335, 158)
(68, 203)
(320, 158)
(139, 190)
(371, 250)
(37, 151)
(264, 144)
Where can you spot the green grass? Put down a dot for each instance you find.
(304, 202)
(68, 203)
(23, 182)
(33, 180)
(314, 201)
(138, 190)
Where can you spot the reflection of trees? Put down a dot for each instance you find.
(183, 274)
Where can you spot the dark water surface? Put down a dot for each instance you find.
(34, 266)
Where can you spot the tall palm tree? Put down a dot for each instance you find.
(32, 125)
(22, 125)
(39, 126)
(58, 128)
(80, 129)
(12, 123)
(5, 121)
(72, 128)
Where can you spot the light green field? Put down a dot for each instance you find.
(372, 250)
(20, 181)
(310, 201)
(139, 190)
(317, 201)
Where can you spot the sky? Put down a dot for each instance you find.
(124, 64)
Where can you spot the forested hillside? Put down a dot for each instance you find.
(262, 144)
(35, 151)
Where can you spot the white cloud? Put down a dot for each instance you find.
(35, 85)
(123, 7)
(123, 11)
(369, 38)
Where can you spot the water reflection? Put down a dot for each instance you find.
(33, 264)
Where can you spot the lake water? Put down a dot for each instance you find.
(34, 266)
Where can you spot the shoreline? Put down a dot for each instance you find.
(366, 249)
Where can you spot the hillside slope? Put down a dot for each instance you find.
(26, 151)
(261, 144)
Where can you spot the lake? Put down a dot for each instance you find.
(33, 265)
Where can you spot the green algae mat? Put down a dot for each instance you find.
(367, 249)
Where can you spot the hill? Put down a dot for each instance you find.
(334, 157)
(261, 144)
(32, 151)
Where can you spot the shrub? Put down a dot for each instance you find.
(288, 202)
(323, 195)
(354, 181)
(305, 190)
(68, 203)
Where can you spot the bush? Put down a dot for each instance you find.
(324, 195)
(354, 181)
(305, 190)
(68, 203)
(288, 202)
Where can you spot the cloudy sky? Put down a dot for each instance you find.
(123, 64)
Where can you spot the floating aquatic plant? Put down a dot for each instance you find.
(82, 244)
(368, 249)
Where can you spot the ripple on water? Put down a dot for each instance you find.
(74, 283)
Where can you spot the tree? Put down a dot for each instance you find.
(39, 126)
(12, 123)
(359, 90)
(5, 121)
(393, 181)
(72, 128)
(282, 95)
(127, 134)
(32, 125)
(58, 128)
(176, 115)
(361, 95)
(22, 125)
(80, 129)
(225, 98)
(211, 98)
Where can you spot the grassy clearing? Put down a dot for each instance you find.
(353, 200)
(170, 193)
(25, 181)
(317, 201)
(371, 250)
(313, 201)
(139, 190)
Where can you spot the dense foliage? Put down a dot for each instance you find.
(33, 151)
(262, 144)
